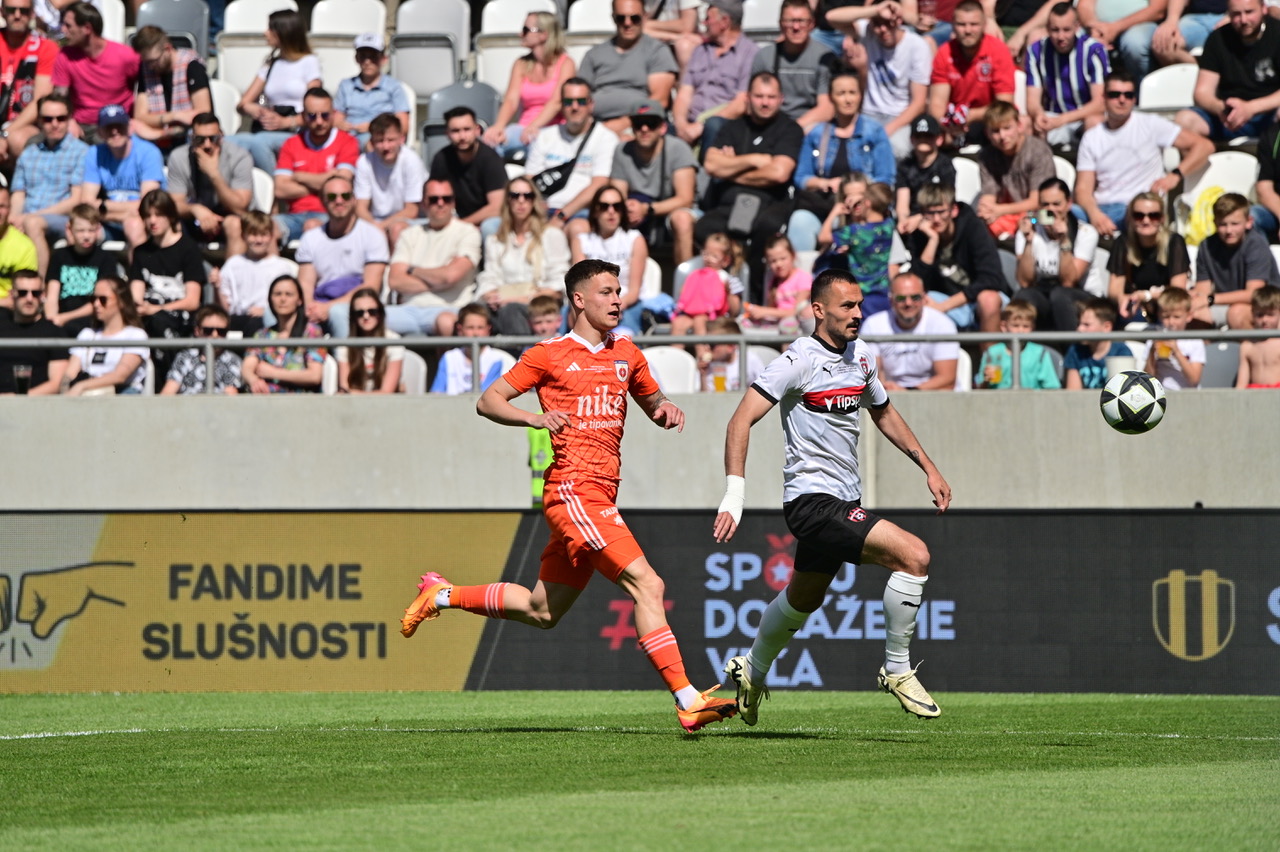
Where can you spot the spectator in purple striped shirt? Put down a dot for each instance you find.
(1065, 72)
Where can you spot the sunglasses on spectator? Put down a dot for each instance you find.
(576, 101)
(796, 22)
(213, 330)
(623, 20)
(439, 199)
(646, 123)
(520, 196)
(1142, 216)
(334, 196)
(1128, 96)
(361, 313)
(17, 10)
(323, 116)
(102, 300)
(909, 297)
(53, 119)
(28, 294)
(528, 30)
(197, 139)
(616, 206)
(933, 213)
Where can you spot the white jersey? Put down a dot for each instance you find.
(820, 392)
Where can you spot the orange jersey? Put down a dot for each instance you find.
(590, 384)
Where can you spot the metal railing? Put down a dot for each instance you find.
(1015, 343)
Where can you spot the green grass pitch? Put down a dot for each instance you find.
(612, 770)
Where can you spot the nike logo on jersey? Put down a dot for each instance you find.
(834, 401)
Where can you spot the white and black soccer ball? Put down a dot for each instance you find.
(1133, 402)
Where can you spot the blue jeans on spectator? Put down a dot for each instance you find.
(660, 305)
(1195, 28)
(940, 34)
(964, 316)
(802, 229)
(1219, 132)
(833, 39)
(1114, 211)
(1265, 221)
(290, 224)
(402, 319)
(1134, 45)
(512, 144)
(264, 146)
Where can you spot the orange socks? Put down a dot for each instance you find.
(482, 600)
(662, 650)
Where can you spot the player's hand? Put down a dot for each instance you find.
(668, 416)
(552, 421)
(941, 491)
(725, 527)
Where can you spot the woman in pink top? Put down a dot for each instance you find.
(534, 90)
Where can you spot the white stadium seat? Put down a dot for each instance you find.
(675, 369)
(1168, 89)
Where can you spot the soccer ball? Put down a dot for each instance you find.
(1133, 402)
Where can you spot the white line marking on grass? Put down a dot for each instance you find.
(1139, 734)
(47, 734)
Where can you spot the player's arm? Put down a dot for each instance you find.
(893, 427)
(662, 411)
(754, 405)
(495, 404)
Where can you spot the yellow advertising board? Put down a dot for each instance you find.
(227, 601)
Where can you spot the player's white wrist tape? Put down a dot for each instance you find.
(735, 495)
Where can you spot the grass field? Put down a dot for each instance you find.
(611, 770)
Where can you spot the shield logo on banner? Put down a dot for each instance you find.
(621, 369)
(1193, 616)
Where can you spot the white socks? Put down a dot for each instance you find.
(778, 624)
(685, 696)
(443, 597)
(901, 603)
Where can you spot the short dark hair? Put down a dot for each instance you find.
(207, 311)
(1055, 183)
(1104, 309)
(457, 112)
(584, 270)
(826, 278)
(24, 274)
(86, 15)
(969, 6)
(1057, 10)
(318, 92)
(148, 37)
(54, 98)
(1119, 75)
(206, 118)
(387, 120)
(574, 81)
(763, 75)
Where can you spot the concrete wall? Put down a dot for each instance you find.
(1007, 449)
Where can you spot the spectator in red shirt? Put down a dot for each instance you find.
(26, 70)
(318, 152)
(970, 72)
(92, 71)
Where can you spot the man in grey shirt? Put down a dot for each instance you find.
(211, 181)
(802, 64)
(628, 68)
(713, 88)
(657, 173)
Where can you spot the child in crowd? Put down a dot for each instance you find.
(1260, 359)
(75, 268)
(1086, 362)
(787, 309)
(1231, 263)
(389, 179)
(454, 374)
(544, 316)
(863, 240)
(719, 366)
(712, 290)
(926, 165)
(1177, 364)
(189, 374)
(245, 278)
(996, 368)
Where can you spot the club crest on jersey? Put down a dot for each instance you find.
(621, 369)
(834, 401)
(858, 515)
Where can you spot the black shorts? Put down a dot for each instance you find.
(829, 531)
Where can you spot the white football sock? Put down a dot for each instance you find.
(901, 603)
(686, 695)
(443, 597)
(778, 624)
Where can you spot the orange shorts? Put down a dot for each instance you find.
(587, 535)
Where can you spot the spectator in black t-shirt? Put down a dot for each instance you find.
(1266, 213)
(927, 166)
(173, 88)
(752, 163)
(167, 274)
(1148, 258)
(37, 372)
(75, 268)
(475, 170)
(1238, 88)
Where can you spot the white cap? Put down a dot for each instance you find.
(372, 41)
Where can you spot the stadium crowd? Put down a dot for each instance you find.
(886, 138)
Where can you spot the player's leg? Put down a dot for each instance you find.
(695, 710)
(907, 559)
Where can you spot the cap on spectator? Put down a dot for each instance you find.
(926, 125)
(372, 41)
(732, 8)
(112, 114)
(648, 107)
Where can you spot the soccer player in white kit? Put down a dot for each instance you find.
(822, 382)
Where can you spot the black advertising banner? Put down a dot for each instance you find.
(1062, 601)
